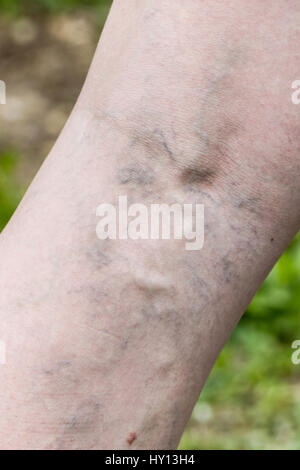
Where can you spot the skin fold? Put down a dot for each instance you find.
(109, 342)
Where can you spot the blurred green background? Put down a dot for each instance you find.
(252, 398)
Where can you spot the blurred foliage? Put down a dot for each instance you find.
(10, 192)
(21, 7)
(252, 397)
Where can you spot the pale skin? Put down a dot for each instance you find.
(109, 343)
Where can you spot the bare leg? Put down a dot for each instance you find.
(110, 342)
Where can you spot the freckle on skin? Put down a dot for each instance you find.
(131, 438)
